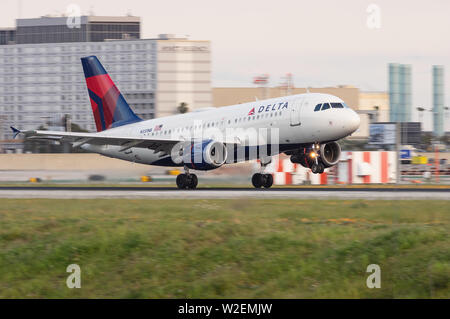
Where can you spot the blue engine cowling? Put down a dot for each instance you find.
(200, 155)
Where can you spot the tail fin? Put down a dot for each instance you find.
(108, 105)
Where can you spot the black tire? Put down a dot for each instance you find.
(321, 168)
(193, 181)
(181, 181)
(258, 180)
(314, 168)
(268, 180)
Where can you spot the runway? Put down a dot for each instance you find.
(67, 192)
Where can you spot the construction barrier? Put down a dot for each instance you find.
(287, 173)
(378, 167)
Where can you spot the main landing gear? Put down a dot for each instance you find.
(187, 180)
(261, 179)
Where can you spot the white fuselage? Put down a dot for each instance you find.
(295, 119)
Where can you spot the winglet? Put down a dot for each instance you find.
(15, 131)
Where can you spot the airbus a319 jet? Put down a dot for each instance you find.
(304, 126)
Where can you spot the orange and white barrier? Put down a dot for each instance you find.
(287, 173)
(378, 167)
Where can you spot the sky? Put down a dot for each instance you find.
(322, 42)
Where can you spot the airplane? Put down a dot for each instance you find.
(304, 126)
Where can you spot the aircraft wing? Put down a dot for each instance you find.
(77, 139)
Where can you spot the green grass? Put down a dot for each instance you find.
(224, 248)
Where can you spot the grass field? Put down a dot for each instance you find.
(224, 248)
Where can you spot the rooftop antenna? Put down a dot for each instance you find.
(288, 84)
(262, 82)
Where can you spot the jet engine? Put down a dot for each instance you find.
(200, 155)
(328, 154)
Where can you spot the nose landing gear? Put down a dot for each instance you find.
(187, 180)
(318, 168)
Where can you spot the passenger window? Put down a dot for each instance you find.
(337, 106)
(317, 108)
(325, 106)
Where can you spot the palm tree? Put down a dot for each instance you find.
(182, 108)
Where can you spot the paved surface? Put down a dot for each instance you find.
(203, 193)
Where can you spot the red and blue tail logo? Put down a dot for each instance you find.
(108, 105)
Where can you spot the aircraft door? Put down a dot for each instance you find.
(295, 112)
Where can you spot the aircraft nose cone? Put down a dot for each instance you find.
(354, 121)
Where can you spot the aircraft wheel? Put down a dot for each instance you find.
(321, 168)
(315, 168)
(258, 180)
(268, 180)
(193, 181)
(187, 181)
(181, 181)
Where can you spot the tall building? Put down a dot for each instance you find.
(40, 83)
(438, 100)
(7, 35)
(83, 29)
(400, 96)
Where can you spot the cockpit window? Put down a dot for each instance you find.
(325, 106)
(317, 108)
(337, 106)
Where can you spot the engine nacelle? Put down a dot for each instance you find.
(200, 155)
(330, 153)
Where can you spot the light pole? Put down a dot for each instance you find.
(421, 109)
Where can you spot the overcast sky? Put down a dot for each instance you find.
(322, 42)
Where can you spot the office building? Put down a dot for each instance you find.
(81, 29)
(400, 96)
(7, 36)
(40, 83)
(438, 100)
